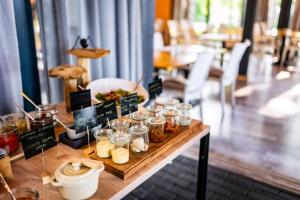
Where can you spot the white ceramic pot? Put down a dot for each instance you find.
(79, 179)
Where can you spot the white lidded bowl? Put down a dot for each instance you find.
(106, 85)
(78, 179)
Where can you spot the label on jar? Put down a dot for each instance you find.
(155, 88)
(80, 99)
(35, 140)
(83, 118)
(106, 110)
(129, 104)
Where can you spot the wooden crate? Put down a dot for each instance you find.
(138, 160)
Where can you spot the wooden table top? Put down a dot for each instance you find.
(165, 60)
(27, 172)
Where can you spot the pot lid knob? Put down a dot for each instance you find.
(76, 165)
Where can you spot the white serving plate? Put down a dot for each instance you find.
(105, 85)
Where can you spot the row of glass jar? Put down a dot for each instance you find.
(13, 125)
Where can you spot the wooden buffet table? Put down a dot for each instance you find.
(27, 173)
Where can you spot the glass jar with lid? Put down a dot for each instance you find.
(19, 120)
(120, 126)
(154, 110)
(5, 166)
(120, 152)
(51, 108)
(138, 117)
(184, 117)
(9, 139)
(171, 103)
(139, 138)
(156, 129)
(171, 117)
(103, 143)
(41, 118)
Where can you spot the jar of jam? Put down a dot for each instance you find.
(139, 138)
(184, 117)
(156, 129)
(103, 143)
(138, 117)
(9, 139)
(19, 120)
(51, 108)
(41, 118)
(154, 110)
(171, 103)
(171, 117)
(120, 153)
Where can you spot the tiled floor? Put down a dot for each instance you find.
(178, 181)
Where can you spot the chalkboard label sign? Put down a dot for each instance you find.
(106, 110)
(155, 88)
(129, 104)
(85, 117)
(80, 99)
(33, 141)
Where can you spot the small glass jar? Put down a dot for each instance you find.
(184, 117)
(120, 153)
(171, 117)
(52, 109)
(156, 129)
(120, 126)
(138, 117)
(154, 110)
(171, 103)
(139, 138)
(19, 120)
(21, 193)
(41, 118)
(9, 139)
(103, 143)
(5, 166)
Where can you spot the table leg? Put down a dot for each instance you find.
(202, 167)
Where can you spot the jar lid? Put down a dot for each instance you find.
(120, 139)
(171, 112)
(155, 120)
(120, 124)
(154, 108)
(74, 169)
(3, 153)
(171, 102)
(184, 106)
(138, 129)
(139, 116)
(102, 133)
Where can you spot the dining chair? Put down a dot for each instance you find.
(191, 88)
(228, 73)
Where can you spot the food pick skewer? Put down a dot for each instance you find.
(88, 134)
(26, 113)
(6, 186)
(138, 83)
(60, 122)
(80, 87)
(28, 99)
(108, 123)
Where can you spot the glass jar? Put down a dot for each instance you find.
(51, 108)
(184, 117)
(41, 118)
(139, 138)
(171, 103)
(5, 166)
(19, 120)
(154, 110)
(120, 152)
(138, 118)
(103, 143)
(9, 139)
(171, 117)
(156, 129)
(120, 126)
(21, 193)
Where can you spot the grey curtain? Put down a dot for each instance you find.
(10, 73)
(111, 24)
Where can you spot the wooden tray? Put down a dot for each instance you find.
(138, 160)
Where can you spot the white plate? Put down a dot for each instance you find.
(105, 85)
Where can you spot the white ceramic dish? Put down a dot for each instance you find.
(105, 85)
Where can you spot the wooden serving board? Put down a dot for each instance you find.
(138, 160)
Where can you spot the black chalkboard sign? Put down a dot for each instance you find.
(85, 117)
(129, 104)
(106, 110)
(155, 88)
(80, 99)
(33, 141)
